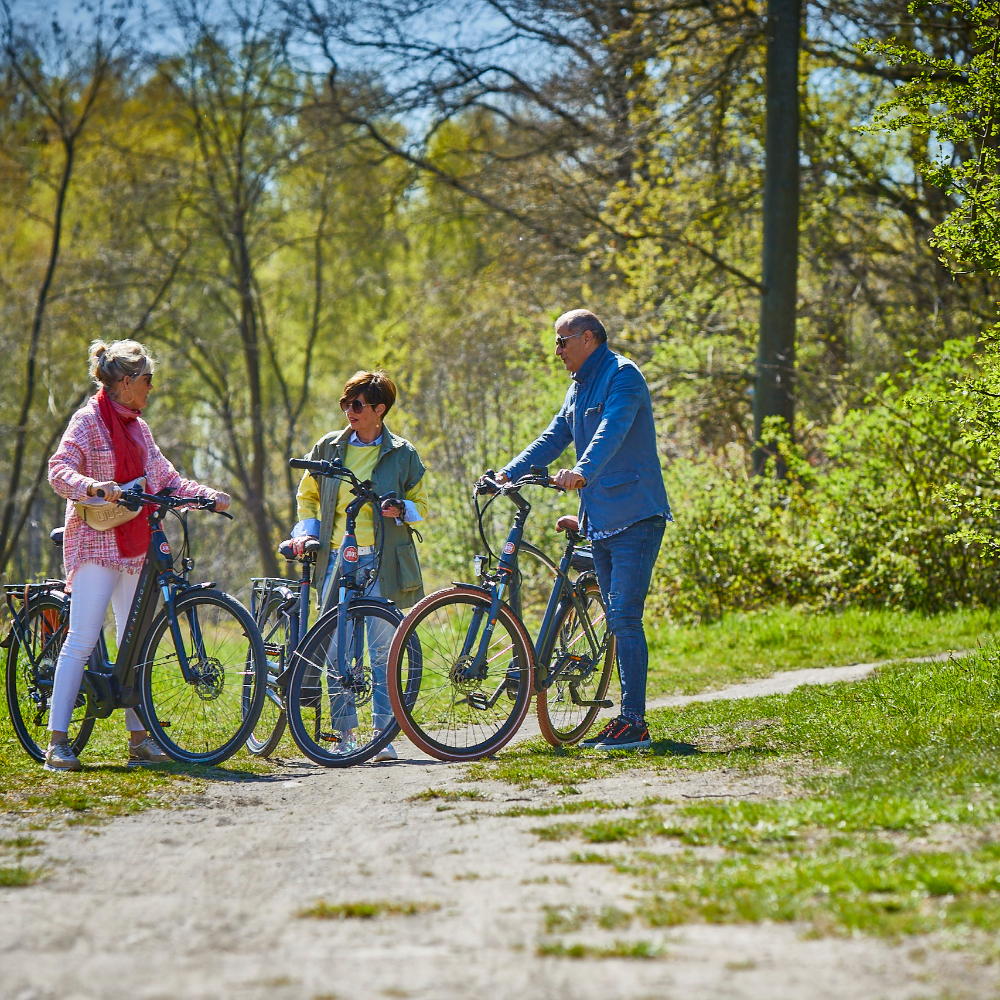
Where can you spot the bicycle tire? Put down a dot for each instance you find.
(435, 713)
(562, 722)
(45, 624)
(314, 685)
(191, 737)
(270, 727)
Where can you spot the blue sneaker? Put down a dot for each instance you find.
(620, 734)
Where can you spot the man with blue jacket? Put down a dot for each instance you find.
(608, 416)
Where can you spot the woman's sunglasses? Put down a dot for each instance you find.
(355, 405)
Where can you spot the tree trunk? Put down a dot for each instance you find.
(774, 391)
(251, 355)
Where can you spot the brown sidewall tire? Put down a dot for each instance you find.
(393, 678)
(542, 704)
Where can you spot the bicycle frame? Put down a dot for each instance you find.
(564, 591)
(114, 685)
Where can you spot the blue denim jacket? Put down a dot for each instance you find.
(608, 416)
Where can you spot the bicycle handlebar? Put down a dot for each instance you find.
(487, 484)
(135, 498)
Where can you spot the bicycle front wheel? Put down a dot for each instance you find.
(446, 712)
(203, 717)
(337, 705)
(581, 674)
(31, 670)
(270, 727)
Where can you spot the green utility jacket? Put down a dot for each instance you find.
(397, 470)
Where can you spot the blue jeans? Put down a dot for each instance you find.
(379, 637)
(624, 564)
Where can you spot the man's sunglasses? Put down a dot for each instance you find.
(355, 405)
(561, 341)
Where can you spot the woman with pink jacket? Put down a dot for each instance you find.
(106, 444)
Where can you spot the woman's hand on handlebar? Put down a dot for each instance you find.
(222, 502)
(110, 491)
(392, 508)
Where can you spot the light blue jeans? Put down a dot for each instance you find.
(343, 712)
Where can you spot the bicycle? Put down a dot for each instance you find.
(466, 704)
(183, 667)
(280, 607)
(331, 690)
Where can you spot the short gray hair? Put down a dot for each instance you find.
(583, 321)
(110, 363)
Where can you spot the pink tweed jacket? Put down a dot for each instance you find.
(85, 456)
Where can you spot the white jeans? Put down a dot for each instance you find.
(94, 587)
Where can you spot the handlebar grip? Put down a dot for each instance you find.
(302, 463)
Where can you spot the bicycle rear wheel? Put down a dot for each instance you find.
(270, 727)
(579, 675)
(31, 669)
(206, 717)
(443, 713)
(340, 719)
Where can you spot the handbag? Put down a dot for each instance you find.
(103, 515)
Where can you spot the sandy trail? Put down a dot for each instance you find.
(201, 901)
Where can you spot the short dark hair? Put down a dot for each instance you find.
(583, 321)
(375, 386)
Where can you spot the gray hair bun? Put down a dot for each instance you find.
(111, 362)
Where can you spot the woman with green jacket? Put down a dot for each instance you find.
(371, 451)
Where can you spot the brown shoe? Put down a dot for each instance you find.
(60, 757)
(147, 752)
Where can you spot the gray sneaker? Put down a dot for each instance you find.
(147, 752)
(387, 752)
(60, 757)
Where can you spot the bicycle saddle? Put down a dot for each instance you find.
(56, 534)
(285, 548)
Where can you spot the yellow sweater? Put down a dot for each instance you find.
(361, 461)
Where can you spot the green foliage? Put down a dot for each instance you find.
(865, 525)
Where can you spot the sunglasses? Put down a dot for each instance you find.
(561, 341)
(355, 405)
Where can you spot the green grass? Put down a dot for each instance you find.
(894, 830)
(365, 910)
(104, 788)
(689, 659)
(19, 876)
(448, 795)
(620, 949)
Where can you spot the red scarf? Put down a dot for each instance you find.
(133, 537)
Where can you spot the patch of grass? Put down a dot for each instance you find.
(22, 842)
(19, 876)
(449, 795)
(105, 787)
(322, 910)
(567, 919)
(620, 949)
(689, 659)
(583, 806)
(894, 832)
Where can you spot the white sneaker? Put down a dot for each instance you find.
(386, 753)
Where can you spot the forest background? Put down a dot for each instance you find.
(272, 195)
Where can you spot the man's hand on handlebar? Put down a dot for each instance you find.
(222, 502)
(568, 522)
(567, 479)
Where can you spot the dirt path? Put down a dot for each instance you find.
(201, 902)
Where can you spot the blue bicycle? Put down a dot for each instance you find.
(328, 682)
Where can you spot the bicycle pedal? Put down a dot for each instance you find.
(477, 700)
